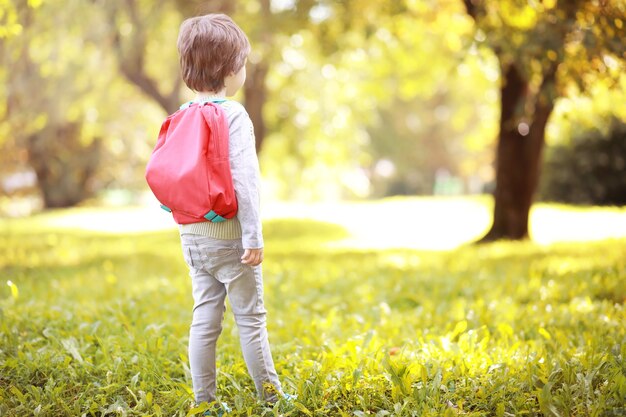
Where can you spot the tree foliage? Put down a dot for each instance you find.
(599, 161)
(580, 40)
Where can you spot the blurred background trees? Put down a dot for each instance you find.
(47, 96)
(350, 99)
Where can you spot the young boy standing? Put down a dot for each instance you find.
(224, 257)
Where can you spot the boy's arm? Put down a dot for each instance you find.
(244, 166)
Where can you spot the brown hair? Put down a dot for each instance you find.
(211, 47)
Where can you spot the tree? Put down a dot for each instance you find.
(135, 25)
(48, 89)
(544, 48)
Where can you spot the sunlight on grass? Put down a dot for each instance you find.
(560, 223)
(417, 223)
(447, 223)
(112, 220)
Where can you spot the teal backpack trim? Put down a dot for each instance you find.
(212, 100)
(210, 216)
(214, 217)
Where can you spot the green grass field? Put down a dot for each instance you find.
(95, 323)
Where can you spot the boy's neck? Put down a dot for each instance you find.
(208, 95)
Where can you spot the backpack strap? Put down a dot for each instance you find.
(215, 100)
(207, 100)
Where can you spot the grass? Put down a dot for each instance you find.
(95, 323)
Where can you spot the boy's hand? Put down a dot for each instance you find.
(252, 257)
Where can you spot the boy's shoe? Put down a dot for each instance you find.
(286, 398)
(218, 410)
(289, 398)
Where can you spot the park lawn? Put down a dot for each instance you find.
(95, 323)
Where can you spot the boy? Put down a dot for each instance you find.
(224, 257)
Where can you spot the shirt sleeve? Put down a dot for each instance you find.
(244, 166)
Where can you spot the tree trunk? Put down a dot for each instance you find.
(63, 165)
(255, 90)
(255, 94)
(518, 157)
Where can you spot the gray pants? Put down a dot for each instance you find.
(216, 271)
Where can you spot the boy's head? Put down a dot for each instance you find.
(211, 47)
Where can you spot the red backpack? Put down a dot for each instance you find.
(189, 170)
